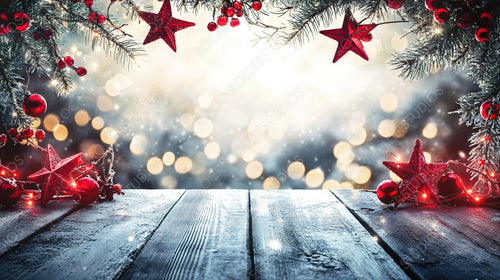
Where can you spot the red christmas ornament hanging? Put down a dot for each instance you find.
(450, 185)
(490, 109)
(394, 4)
(441, 15)
(483, 34)
(88, 190)
(34, 105)
(9, 192)
(22, 21)
(464, 20)
(485, 19)
(4, 24)
(387, 192)
(432, 5)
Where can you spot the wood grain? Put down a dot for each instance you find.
(96, 242)
(309, 234)
(442, 242)
(203, 237)
(22, 222)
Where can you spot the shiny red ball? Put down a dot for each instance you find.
(483, 34)
(92, 16)
(88, 190)
(222, 20)
(257, 5)
(39, 134)
(450, 185)
(212, 26)
(394, 4)
(464, 20)
(485, 19)
(61, 64)
(367, 38)
(230, 12)
(9, 193)
(3, 138)
(432, 5)
(441, 15)
(81, 71)
(34, 105)
(101, 18)
(4, 24)
(234, 22)
(387, 192)
(69, 60)
(22, 21)
(237, 5)
(490, 109)
(27, 132)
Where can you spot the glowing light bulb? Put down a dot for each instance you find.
(477, 198)
(30, 195)
(424, 195)
(493, 175)
(30, 202)
(469, 191)
(14, 174)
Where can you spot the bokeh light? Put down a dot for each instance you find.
(109, 135)
(271, 183)
(254, 170)
(60, 132)
(212, 150)
(82, 118)
(168, 158)
(50, 122)
(314, 178)
(154, 165)
(183, 165)
(296, 170)
(97, 123)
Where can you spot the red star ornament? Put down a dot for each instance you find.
(163, 25)
(417, 174)
(56, 175)
(349, 37)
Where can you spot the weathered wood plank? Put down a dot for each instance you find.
(96, 242)
(203, 237)
(17, 224)
(441, 242)
(309, 234)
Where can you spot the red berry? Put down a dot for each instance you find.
(230, 12)
(27, 132)
(4, 24)
(69, 61)
(101, 18)
(234, 22)
(239, 14)
(19, 138)
(89, 3)
(367, 38)
(48, 34)
(464, 20)
(37, 35)
(117, 187)
(39, 134)
(34, 105)
(223, 10)
(485, 19)
(92, 16)
(22, 21)
(441, 15)
(257, 5)
(394, 4)
(490, 109)
(387, 192)
(222, 20)
(432, 5)
(212, 26)
(61, 64)
(12, 132)
(3, 138)
(483, 34)
(237, 5)
(81, 71)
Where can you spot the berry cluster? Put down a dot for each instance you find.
(232, 10)
(18, 21)
(21, 134)
(466, 14)
(69, 61)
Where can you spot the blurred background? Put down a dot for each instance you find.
(225, 113)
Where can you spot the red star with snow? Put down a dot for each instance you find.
(56, 175)
(349, 37)
(417, 175)
(163, 25)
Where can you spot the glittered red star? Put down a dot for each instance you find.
(56, 175)
(163, 25)
(349, 37)
(416, 175)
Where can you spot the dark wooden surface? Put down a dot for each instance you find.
(239, 234)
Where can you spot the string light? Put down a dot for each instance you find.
(424, 195)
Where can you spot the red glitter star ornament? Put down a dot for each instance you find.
(56, 175)
(349, 36)
(163, 25)
(417, 175)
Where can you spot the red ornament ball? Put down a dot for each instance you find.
(367, 38)
(37, 35)
(234, 22)
(485, 19)
(34, 105)
(48, 34)
(432, 5)
(4, 24)
(237, 5)
(441, 15)
(483, 34)
(464, 20)
(212, 26)
(222, 20)
(89, 3)
(61, 64)
(490, 109)
(9, 193)
(230, 12)
(450, 185)
(92, 16)
(257, 5)
(101, 18)
(69, 60)
(81, 71)
(394, 4)
(39, 134)
(387, 192)
(88, 190)
(3, 138)
(22, 21)
(12, 132)
(27, 132)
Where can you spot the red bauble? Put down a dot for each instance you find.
(464, 20)
(34, 105)
(485, 19)
(89, 3)
(9, 193)
(88, 190)
(491, 109)
(101, 18)
(387, 192)
(394, 4)
(61, 64)
(483, 34)
(69, 61)
(257, 5)
(234, 22)
(37, 35)
(3, 138)
(441, 15)
(237, 5)
(12, 132)
(48, 34)
(222, 20)
(81, 71)
(212, 26)
(4, 24)
(450, 185)
(239, 14)
(22, 21)
(230, 12)
(27, 132)
(39, 134)
(432, 5)
(92, 16)
(367, 38)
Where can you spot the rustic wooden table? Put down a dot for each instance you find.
(238, 234)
